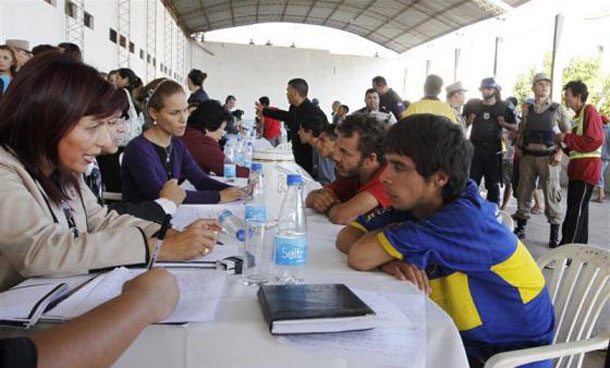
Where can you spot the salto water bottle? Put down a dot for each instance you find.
(231, 224)
(249, 152)
(290, 242)
(255, 205)
(239, 152)
(230, 171)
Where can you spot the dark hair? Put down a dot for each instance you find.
(434, 143)
(370, 90)
(13, 68)
(371, 134)
(433, 85)
(71, 49)
(578, 88)
(154, 93)
(229, 98)
(315, 124)
(209, 116)
(264, 101)
(330, 130)
(237, 113)
(197, 77)
(346, 108)
(39, 49)
(134, 80)
(299, 85)
(47, 98)
(380, 81)
(513, 100)
(406, 103)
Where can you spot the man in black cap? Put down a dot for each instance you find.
(488, 117)
(301, 110)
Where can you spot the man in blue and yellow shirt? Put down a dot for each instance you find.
(478, 271)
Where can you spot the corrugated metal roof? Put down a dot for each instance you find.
(395, 24)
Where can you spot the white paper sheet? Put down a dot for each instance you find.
(200, 292)
(398, 338)
(19, 302)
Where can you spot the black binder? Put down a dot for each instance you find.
(314, 308)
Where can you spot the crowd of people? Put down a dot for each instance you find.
(404, 178)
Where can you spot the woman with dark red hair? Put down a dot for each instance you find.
(52, 124)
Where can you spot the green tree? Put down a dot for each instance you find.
(587, 70)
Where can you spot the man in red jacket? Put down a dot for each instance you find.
(583, 145)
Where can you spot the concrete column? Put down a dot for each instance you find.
(556, 65)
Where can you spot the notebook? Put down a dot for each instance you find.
(313, 308)
(22, 305)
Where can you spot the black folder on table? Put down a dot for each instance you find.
(314, 308)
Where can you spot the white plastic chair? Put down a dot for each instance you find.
(507, 220)
(578, 293)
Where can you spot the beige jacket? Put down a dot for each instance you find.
(33, 244)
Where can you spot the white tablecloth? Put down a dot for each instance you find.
(240, 338)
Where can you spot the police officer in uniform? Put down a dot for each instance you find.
(488, 117)
(541, 156)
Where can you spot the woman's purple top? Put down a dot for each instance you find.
(143, 173)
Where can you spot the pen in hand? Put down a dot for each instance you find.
(159, 242)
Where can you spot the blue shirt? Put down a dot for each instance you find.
(480, 273)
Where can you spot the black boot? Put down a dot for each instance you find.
(554, 237)
(520, 230)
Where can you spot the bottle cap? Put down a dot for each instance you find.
(240, 235)
(257, 167)
(293, 179)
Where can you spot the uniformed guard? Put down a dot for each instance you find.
(541, 156)
(488, 117)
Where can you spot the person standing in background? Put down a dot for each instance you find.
(584, 146)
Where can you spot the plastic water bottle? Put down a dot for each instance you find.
(290, 242)
(249, 152)
(230, 171)
(239, 152)
(231, 224)
(255, 205)
(284, 134)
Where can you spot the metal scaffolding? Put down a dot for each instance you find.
(75, 23)
(168, 43)
(180, 72)
(151, 40)
(124, 30)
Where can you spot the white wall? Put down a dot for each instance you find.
(40, 22)
(249, 71)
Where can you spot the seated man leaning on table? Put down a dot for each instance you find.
(359, 161)
(479, 272)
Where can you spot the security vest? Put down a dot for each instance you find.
(539, 127)
(485, 128)
(578, 127)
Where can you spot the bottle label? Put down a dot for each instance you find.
(239, 159)
(248, 163)
(290, 250)
(256, 212)
(230, 171)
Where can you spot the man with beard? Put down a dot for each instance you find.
(488, 117)
(301, 110)
(359, 161)
(371, 99)
(440, 234)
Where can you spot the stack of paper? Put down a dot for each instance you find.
(398, 339)
(199, 295)
(23, 305)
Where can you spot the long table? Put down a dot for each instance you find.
(239, 336)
